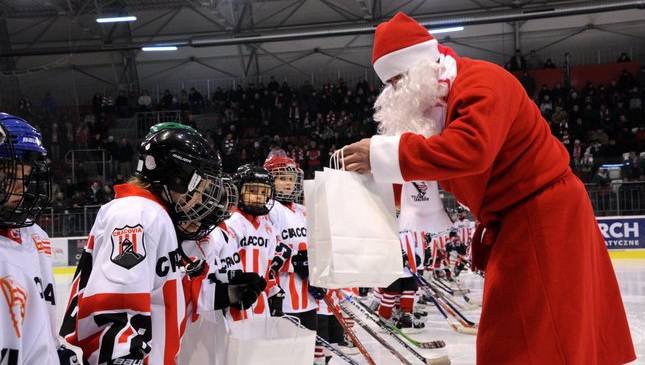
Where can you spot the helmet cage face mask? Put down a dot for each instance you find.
(283, 177)
(25, 184)
(205, 198)
(256, 198)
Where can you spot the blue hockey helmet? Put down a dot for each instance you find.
(25, 176)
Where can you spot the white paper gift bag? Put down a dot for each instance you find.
(352, 231)
(269, 341)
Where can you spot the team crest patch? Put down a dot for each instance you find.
(128, 246)
(422, 189)
(16, 299)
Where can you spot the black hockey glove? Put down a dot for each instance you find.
(417, 260)
(317, 293)
(406, 262)
(241, 291)
(275, 304)
(300, 262)
(67, 356)
(428, 257)
(282, 254)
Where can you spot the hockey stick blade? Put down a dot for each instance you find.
(442, 360)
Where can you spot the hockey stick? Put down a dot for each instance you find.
(452, 309)
(375, 335)
(393, 330)
(459, 326)
(348, 331)
(324, 343)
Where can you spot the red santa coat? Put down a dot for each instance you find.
(550, 294)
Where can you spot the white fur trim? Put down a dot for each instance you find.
(400, 61)
(384, 159)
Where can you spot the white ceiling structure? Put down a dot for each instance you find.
(57, 45)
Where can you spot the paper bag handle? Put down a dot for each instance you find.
(337, 160)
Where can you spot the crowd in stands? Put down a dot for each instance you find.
(597, 124)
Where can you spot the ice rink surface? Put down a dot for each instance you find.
(461, 347)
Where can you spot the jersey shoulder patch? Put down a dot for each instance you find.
(128, 246)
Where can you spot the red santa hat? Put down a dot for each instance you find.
(399, 44)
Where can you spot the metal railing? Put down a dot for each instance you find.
(617, 198)
(145, 120)
(68, 222)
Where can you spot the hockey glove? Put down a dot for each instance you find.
(275, 304)
(317, 293)
(241, 291)
(300, 262)
(67, 356)
(282, 254)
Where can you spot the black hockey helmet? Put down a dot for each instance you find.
(187, 174)
(256, 189)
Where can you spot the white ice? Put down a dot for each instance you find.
(461, 347)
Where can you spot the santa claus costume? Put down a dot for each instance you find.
(550, 294)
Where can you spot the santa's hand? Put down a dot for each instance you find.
(357, 156)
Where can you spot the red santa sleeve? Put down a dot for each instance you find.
(469, 144)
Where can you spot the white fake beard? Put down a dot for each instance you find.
(406, 107)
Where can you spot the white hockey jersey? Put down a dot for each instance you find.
(256, 242)
(27, 300)
(218, 249)
(465, 229)
(291, 226)
(422, 212)
(130, 299)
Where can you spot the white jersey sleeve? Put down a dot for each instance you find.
(27, 299)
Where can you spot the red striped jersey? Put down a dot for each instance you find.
(291, 226)
(27, 298)
(256, 240)
(465, 230)
(130, 299)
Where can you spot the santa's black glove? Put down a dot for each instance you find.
(300, 263)
(241, 291)
(317, 293)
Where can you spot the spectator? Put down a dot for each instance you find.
(533, 61)
(121, 104)
(623, 58)
(517, 62)
(196, 101)
(124, 156)
(168, 101)
(145, 101)
(528, 82)
(549, 63)
(49, 104)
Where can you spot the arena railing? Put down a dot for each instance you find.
(616, 198)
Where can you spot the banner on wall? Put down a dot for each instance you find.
(623, 232)
(67, 250)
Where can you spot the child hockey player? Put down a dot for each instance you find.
(132, 293)
(256, 238)
(27, 334)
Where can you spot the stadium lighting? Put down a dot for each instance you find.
(117, 19)
(158, 48)
(445, 30)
